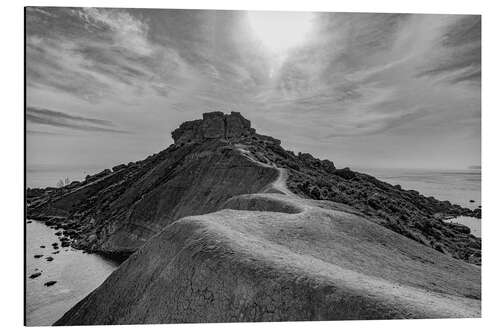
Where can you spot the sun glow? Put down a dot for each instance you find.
(280, 31)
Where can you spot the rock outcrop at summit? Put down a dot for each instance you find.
(214, 125)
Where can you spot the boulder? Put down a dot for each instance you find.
(118, 167)
(328, 166)
(213, 125)
(345, 173)
(236, 125)
(187, 132)
(460, 228)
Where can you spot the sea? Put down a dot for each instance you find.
(462, 187)
(77, 273)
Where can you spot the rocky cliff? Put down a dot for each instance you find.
(274, 256)
(226, 225)
(115, 211)
(214, 125)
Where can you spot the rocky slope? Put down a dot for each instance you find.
(226, 225)
(274, 256)
(115, 211)
(406, 212)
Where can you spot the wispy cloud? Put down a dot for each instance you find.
(366, 77)
(366, 74)
(64, 120)
(459, 56)
(35, 132)
(96, 54)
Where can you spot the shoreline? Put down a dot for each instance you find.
(55, 285)
(473, 223)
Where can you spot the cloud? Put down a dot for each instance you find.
(458, 56)
(371, 77)
(124, 55)
(63, 120)
(33, 132)
(98, 54)
(370, 74)
(125, 31)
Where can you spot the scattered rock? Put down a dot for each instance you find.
(345, 173)
(118, 167)
(29, 221)
(101, 174)
(460, 228)
(472, 200)
(35, 275)
(50, 283)
(38, 256)
(42, 246)
(56, 252)
(476, 213)
(49, 258)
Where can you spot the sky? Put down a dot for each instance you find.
(108, 86)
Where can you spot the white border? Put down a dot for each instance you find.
(12, 159)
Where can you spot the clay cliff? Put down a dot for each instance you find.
(115, 211)
(226, 225)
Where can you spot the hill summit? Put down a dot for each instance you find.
(215, 158)
(227, 225)
(214, 125)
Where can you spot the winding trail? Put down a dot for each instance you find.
(279, 184)
(273, 256)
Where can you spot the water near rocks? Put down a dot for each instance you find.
(457, 186)
(54, 286)
(462, 187)
(471, 222)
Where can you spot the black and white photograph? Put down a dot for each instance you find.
(218, 165)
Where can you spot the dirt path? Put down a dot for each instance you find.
(279, 185)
